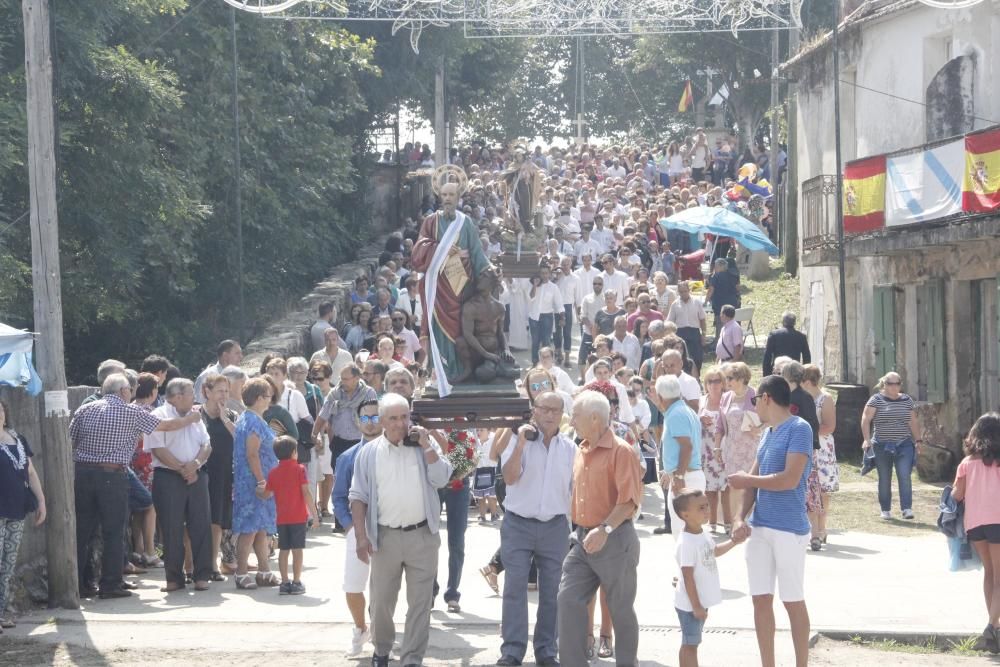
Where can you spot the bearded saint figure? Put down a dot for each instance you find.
(523, 185)
(448, 252)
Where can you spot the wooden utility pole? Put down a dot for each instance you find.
(440, 130)
(46, 286)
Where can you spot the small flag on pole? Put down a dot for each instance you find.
(686, 98)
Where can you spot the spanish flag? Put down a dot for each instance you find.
(864, 195)
(686, 98)
(981, 183)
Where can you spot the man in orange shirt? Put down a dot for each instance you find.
(604, 548)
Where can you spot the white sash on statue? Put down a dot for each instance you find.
(430, 297)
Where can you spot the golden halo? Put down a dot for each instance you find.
(449, 173)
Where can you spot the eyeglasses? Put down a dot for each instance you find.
(538, 386)
(753, 399)
(369, 419)
(548, 409)
(893, 384)
(714, 381)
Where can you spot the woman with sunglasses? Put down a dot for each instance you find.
(890, 426)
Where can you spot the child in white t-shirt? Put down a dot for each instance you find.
(484, 479)
(699, 587)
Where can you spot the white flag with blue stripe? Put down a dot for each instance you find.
(925, 185)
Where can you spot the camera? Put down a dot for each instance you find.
(532, 434)
(412, 439)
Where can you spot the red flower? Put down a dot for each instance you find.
(462, 436)
(468, 453)
(451, 446)
(456, 484)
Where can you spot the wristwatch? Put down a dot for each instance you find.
(607, 528)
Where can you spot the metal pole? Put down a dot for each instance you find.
(46, 284)
(440, 130)
(844, 372)
(236, 177)
(772, 159)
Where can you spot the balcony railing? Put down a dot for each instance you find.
(819, 227)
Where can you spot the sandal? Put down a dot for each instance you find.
(245, 582)
(267, 579)
(228, 569)
(605, 650)
(217, 576)
(491, 578)
(815, 544)
(7, 623)
(590, 647)
(151, 561)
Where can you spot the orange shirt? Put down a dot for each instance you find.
(604, 475)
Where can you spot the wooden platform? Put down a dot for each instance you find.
(524, 267)
(473, 406)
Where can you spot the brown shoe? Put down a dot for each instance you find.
(201, 585)
(170, 588)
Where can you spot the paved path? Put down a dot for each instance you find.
(861, 583)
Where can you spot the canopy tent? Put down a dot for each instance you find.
(722, 222)
(16, 369)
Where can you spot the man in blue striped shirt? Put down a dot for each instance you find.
(778, 528)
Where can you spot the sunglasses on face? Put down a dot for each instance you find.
(369, 419)
(714, 381)
(538, 386)
(893, 384)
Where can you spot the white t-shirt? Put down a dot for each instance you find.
(690, 389)
(642, 414)
(698, 551)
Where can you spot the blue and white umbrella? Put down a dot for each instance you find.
(721, 222)
(16, 369)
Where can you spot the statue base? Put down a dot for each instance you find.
(472, 406)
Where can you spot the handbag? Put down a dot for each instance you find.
(484, 480)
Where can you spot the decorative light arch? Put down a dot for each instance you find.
(545, 18)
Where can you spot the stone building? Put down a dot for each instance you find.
(921, 287)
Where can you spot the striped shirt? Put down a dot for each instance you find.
(783, 510)
(892, 417)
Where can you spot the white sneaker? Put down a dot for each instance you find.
(886, 515)
(358, 641)
(907, 514)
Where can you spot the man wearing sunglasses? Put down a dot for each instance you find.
(774, 517)
(355, 570)
(538, 471)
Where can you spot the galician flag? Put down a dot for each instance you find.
(981, 182)
(864, 195)
(687, 98)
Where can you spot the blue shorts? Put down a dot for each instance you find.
(691, 628)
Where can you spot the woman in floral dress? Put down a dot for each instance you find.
(824, 458)
(740, 427)
(711, 450)
(254, 517)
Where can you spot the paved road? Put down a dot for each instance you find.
(861, 583)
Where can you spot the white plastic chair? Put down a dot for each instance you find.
(744, 317)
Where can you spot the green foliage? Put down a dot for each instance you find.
(146, 190)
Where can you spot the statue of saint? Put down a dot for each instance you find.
(482, 348)
(448, 252)
(523, 189)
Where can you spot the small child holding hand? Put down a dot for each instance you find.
(699, 587)
(288, 484)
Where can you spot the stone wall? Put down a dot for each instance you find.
(289, 336)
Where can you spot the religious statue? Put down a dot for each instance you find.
(523, 189)
(482, 348)
(448, 252)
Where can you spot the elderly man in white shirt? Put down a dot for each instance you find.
(673, 364)
(544, 307)
(396, 511)
(180, 489)
(538, 471)
(688, 314)
(332, 353)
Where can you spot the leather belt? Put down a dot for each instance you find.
(406, 529)
(113, 467)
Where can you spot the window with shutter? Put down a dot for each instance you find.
(933, 355)
(884, 320)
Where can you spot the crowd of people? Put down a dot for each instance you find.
(195, 475)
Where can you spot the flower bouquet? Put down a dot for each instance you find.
(463, 454)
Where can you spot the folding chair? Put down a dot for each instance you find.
(744, 317)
